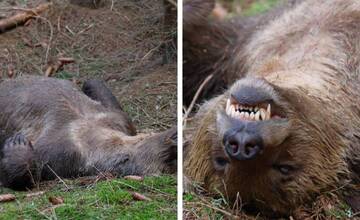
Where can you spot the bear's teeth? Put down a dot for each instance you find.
(252, 116)
(268, 112)
(257, 116)
(253, 113)
(262, 114)
(242, 115)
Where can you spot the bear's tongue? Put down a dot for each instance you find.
(258, 112)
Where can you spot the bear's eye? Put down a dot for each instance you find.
(220, 163)
(284, 169)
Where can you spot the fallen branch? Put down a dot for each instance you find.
(7, 197)
(22, 18)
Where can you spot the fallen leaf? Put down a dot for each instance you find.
(56, 200)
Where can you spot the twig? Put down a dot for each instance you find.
(68, 29)
(58, 24)
(112, 5)
(57, 176)
(214, 208)
(85, 29)
(196, 96)
(150, 52)
(50, 37)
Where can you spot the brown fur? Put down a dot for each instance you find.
(71, 134)
(89, 3)
(210, 47)
(310, 56)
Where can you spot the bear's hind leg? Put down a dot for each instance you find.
(98, 91)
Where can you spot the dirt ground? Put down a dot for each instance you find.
(122, 42)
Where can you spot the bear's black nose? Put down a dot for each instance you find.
(242, 144)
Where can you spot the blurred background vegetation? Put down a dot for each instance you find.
(244, 7)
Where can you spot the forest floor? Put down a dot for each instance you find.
(125, 44)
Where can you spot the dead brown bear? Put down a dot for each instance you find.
(289, 126)
(49, 128)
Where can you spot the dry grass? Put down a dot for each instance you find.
(199, 204)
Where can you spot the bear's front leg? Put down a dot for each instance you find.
(17, 163)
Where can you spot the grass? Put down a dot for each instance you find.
(326, 206)
(110, 199)
(199, 208)
(248, 7)
(259, 7)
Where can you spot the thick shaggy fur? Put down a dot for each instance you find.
(49, 127)
(210, 47)
(310, 56)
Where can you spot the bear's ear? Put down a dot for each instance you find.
(169, 151)
(197, 11)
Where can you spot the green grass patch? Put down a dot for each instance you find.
(65, 75)
(343, 211)
(258, 7)
(110, 199)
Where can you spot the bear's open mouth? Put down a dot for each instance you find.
(255, 112)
